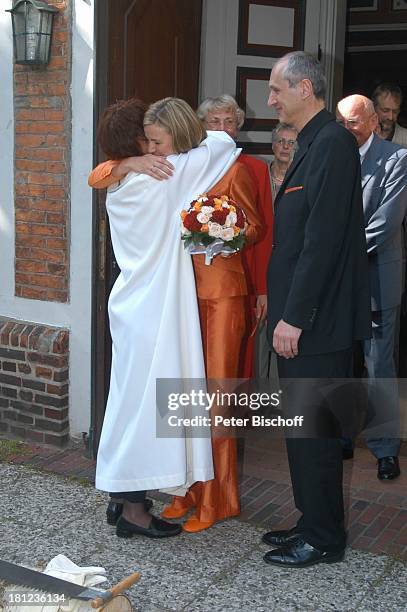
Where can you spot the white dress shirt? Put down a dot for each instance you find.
(365, 147)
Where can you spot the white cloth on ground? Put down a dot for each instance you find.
(65, 569)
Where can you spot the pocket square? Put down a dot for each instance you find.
(289, 189)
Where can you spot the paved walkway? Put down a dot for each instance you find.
(376, 511)
(43, 514)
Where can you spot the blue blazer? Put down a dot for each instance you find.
(384, 191)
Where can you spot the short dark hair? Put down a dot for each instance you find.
(120, 128)
(386, 88)
(301, 65)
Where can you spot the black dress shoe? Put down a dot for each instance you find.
(301, 554)
(282, 537)
(347, 453)
(388, 468)
(157, 529)
(114, 510)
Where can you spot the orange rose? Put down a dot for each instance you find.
(183, 214)
(205, 227)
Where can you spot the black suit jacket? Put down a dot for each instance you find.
(318, 273)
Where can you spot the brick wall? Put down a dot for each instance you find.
(42, 168)
(34, 382)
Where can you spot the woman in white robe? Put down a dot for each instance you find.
(154, 319)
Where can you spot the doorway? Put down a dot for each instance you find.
(148, 49)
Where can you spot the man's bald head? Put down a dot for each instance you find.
(358, 115)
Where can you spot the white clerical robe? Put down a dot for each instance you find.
(154, 323)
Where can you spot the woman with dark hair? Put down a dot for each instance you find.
(222, 291)
(153, 311)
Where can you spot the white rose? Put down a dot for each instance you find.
(207, 210)
(227, 234)
(231, 219)
(214, 230)
(202, 218)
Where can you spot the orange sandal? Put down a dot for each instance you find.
(176, 509)
(193, 524)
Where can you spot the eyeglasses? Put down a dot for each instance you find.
(285, 142)
(218, 122)
(350, 122)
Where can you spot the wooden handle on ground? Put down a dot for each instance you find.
(117, 589)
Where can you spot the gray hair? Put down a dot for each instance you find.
(300, 65)
(279, 128)
(224, 102)
(387, 88)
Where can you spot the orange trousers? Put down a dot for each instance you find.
(223, 325)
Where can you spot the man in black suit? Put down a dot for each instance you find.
(318, 301)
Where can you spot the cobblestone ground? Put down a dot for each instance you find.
(43, 514)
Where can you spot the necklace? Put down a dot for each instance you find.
(277, 178)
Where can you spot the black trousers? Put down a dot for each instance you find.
(316, 460)
(131, 496)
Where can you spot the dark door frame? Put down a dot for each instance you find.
(99, 237)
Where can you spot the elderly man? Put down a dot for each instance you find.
(387, 99)
(318, 302)
(384, 188)
(223, 113)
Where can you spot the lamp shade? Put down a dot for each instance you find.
(32, 29)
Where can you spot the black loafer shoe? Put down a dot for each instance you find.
(157, 529)
(114, 510)
(388, 468)
(281, 538)
(301, 554)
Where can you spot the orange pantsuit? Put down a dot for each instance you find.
(222, 293)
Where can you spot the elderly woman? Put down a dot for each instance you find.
(223, 113)
(284, 144)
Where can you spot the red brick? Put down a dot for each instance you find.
(48, 255)
(29, 164)
(370, 513)
(53, 193)
(38, 229)
(56, 269)
(23, 253)
(43, 178)
(57, 415)
(26, 114)
(399, 521)
(56, 243)
(30, 190)
(35, 216)
(57, 296)
(30, 266)
(31, 293)
(41, 372)
(32, 241)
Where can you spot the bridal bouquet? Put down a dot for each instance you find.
(213, 225)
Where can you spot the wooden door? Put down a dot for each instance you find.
(149, 49)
